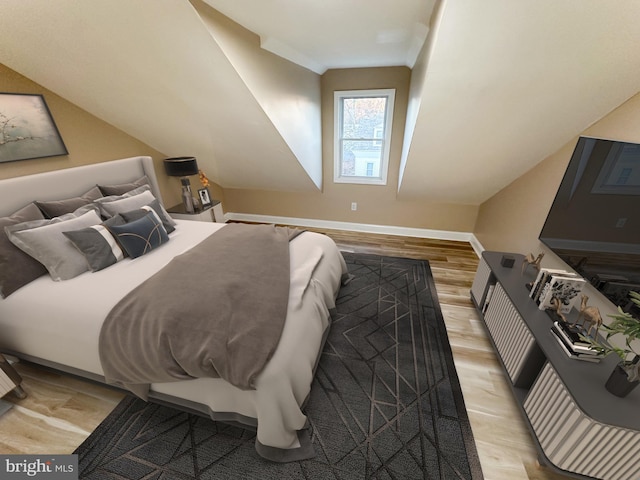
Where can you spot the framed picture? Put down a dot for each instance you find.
(205, 198)
(27, 129)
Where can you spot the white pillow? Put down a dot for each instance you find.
(44, 241)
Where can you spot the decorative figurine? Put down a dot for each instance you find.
(530, 260)
(590, 314)
(556, 306)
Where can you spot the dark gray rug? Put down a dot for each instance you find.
(385, 404)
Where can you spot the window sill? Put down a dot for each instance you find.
(360, 180)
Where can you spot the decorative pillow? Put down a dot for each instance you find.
(108, 190)
(97, 244)
(140, 236)
(113, 204)
(133, 200)
(56, 208)
(142, 211)
(16, 267)
(115, 220)
(44, 241)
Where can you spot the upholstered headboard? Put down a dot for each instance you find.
(17, 192)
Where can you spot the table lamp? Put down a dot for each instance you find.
(183, 167)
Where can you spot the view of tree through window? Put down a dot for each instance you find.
(363, 119)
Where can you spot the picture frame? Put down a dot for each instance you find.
(27, 129)
(205, 197)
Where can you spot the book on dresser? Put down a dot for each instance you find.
(543, 276)
(570, 339)
(490, 290)
(565, 288)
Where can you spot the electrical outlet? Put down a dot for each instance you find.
(354, 206)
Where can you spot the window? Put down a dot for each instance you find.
(625, 175)
(362, 135)
(369, 169)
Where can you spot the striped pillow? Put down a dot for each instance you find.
(97, 245)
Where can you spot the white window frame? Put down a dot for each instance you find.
(338, 96)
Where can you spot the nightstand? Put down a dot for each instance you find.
(9, 380)
(212, 213)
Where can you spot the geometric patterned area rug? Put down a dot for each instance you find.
(385, 403)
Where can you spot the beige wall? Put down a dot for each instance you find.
(512, 219)
(288, 94)
(87, 138)
(90, 140)
(376, 204)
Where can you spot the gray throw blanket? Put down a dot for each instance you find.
(217, 310)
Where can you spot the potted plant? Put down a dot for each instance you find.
(626, 375)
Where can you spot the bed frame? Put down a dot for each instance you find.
(17, 192)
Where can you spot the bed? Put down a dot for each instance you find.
(59, 324)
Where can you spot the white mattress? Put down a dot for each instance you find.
(60, 322)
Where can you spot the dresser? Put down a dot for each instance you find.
(580, 428)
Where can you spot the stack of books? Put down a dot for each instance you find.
(559, 284)
(570, 339)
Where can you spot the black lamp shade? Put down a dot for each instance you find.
(181, 166)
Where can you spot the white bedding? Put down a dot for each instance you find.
(60, 322)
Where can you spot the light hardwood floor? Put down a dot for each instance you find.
(61, 411)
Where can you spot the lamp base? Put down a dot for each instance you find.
(187, 198)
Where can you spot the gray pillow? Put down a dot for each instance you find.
(97, 244)
(142, 211)
(44, 241)
(108, 190)
(133, 200)
(55, 208)
(16, 267)
(115, 220)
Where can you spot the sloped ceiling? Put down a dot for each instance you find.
(498, 86)
(336, 33)
(154, 70)
(508, 83)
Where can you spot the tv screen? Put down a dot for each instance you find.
(594, 222)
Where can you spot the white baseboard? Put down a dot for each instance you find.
(361, 227)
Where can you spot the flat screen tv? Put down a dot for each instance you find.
(594, 222)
